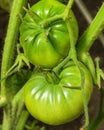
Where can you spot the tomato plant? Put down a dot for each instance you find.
(46, 43)
(57, 101)
(57, 86)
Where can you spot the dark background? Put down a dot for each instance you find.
(96, 50)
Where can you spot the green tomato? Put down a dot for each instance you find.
(58, 102)
(46, 44)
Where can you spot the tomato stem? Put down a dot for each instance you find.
(59, 66)
(88, 37)
(47, 21)
(85, 102)
(87, 60)
(67, 9)
(62, 16)
(10, 40)
(73, 56)
(19, 114)
(52, 77)
(23, 118)
(7, 59)
(72, 51)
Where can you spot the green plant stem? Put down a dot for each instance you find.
(17, 107)
(83, 46)
(10, 40)
(86, 13)
(7, 118)
(88, 37)
(59, 66)
(85, 102)
(22, 120)
(63, 16)
(8, 52)
(67, 10)
(9, 74)
(72, 52)
(87, 60)
(15, 113)
(19, 114)
(73, 56)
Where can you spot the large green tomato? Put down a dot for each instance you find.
(46, 44)
(58, 102)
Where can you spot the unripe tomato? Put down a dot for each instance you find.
(46, 44)
(57, 102)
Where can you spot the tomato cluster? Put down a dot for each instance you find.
(49, 98)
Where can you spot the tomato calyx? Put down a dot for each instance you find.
(52, 77)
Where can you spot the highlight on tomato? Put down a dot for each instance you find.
(46, 44)
(57, 99)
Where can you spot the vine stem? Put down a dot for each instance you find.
(67, 10)
(88, 37)
(22, 121)
(19, 114)
(8, 54)
(86, 13)
(73, 56)
(10, 39)
(63, 16)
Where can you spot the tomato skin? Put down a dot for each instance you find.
(46, 45)
(54, 103)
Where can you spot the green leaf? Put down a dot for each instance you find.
(15, 82)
